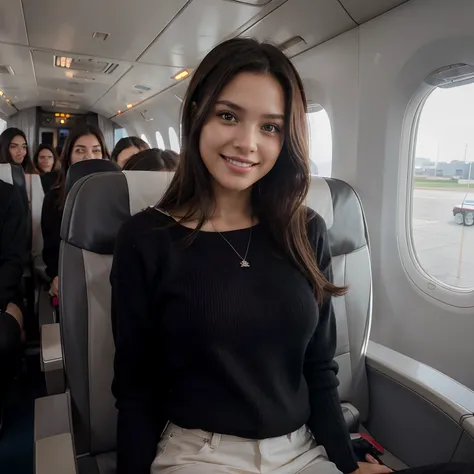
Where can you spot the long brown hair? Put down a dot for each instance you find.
(153, 159)
(278, 198)
(79, 131)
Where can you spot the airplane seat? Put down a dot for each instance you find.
(341, 209)
(51, 356)
(95, 209)
(435, 410)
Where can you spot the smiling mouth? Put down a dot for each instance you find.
(240, 164)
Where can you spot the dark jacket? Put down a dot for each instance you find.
(13, 240)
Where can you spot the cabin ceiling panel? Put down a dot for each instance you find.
(12, 22)
(69, 25)
(156, 78)
(199, 27)
(365, 10)
(81, 87)
(21, 86)
(315, 21)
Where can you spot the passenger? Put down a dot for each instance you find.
(84, 143)
(153, 160)
(14, 149)
(13, 237)
(221, 294)
(126, 148)
(45, 159)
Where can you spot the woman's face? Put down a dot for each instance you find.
(45, 160)
(86, 147)
(18, 149)
(243, 136)
(126, 154)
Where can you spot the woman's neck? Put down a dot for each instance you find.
(233, 209)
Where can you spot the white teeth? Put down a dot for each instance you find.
(238, 163)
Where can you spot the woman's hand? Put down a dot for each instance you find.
(371, 467)
(54, 290)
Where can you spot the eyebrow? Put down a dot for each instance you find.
(239, 108)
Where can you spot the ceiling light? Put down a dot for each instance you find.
(63, 61)
(181, 75)
(62, 121)
(57, 114)
(1, 93)
(100, 36)
(129, 106)
(119, 112)
(67, 115)
(291, 43)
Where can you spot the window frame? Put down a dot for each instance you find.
(435, 290)
(171, 128)
(145, 139)
(157, 132)
(315, 107)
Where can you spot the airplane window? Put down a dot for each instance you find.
(159, 140)
(3, 125)
(174, 141)
(320, 141)
(145, 139)
(119, 133)
(442, 224)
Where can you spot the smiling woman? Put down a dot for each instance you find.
(253, 249)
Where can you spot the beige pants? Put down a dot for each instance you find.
(198, 452)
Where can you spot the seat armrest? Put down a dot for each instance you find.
(51, 348)
(351, 416)
(54, 445)
(416, 412)
(55, 455)
(52, 363)
(53, 416)
(450, 396)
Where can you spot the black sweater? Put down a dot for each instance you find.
(13, 238)
(207, 344)
(51, 227)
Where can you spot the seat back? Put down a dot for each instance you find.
(86, 167)
(95, 209)
(342, 211)
(37, 197)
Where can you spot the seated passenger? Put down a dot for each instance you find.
(84, 143)
(12, 244)
(153, 160)
(126, 148)
(225, 345)
(45, 159)
(14, 149)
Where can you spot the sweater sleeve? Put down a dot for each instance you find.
(12, 246)
(51, 230)
(138, 396)
(326, 421)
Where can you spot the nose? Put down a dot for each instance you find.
(246, 138)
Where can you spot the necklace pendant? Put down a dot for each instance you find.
(244, 264)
